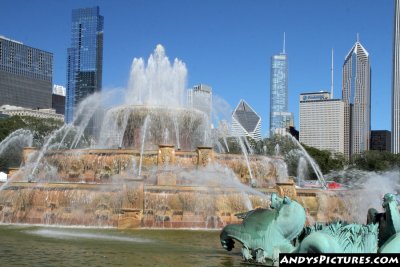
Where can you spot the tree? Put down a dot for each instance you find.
(9, 125)
(39, 128)
(374, 160)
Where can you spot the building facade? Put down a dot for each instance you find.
(26, 75)
(246, 122)
(322, 121)
(396, 81)
(356, 94)
(200, 98)
(27, 112)
(58, 103)
(58, 99)
(85, 58)
(380, 140)
(279, 93)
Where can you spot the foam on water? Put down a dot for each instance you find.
(69, 234)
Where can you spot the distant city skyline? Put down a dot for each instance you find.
(235, 59)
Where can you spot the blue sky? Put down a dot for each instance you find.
(225, 44)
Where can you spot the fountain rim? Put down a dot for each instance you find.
(156, 107)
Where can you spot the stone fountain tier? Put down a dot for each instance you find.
(68, 203)
(101, 187)
(129, 125)
(103, 165)
(133, 204)
(126, 205)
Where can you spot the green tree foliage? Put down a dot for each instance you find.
(9, 125)
(376, 161)
(40, 129)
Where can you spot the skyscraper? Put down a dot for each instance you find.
(356, 94)
(26, 75)
(200, 97)
(85, 57)
(396, 81)
(322, 121)
(246, 122)
(279, 93)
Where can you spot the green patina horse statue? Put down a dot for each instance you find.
(389, 225)
(265, 233)
(380, 235)
(339, 237)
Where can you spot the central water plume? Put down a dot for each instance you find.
(156, 90)
(158, 83)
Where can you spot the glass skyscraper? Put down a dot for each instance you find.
(26, 75)
(356, 94)
(279, 93)
(396, 81)
(85, 57)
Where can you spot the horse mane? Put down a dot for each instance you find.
(350, 236)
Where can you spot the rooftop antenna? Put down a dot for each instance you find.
(358, 37)
(284, 43)
(332, 76)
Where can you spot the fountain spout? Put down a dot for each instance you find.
(312, 162)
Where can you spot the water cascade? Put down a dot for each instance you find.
(20, 137)
(144, 131)
(246, 158)
(310, 160)
(301, 171)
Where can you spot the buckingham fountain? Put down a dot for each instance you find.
(152, 164)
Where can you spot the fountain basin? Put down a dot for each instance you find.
(184, 128)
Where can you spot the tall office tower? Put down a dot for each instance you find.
(246, 122)
(356, 94)
(322, 121)
(396, 81)
(85, 58)
(200, 97)
(26, 75)
(279, 93)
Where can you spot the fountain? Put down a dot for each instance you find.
(150, 163)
